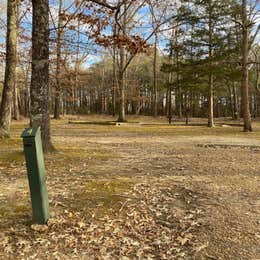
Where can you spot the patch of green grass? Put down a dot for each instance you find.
(101, 122)
(102, 196)
(92, 122)
(17, 129)
(76, 156)
(168, 130)
(10, 143)
(237, 182)
(13, 157)
(14, 209)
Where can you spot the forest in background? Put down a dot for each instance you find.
(169, 58)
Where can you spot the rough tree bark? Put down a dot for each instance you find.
(10, 69)
(179, 93)
(169, 90)
(121, 73)
(121, 86)
(76, 86)
(244, 87)
(39, 113)
(169, 99)
(235, 101)
(114, 80)
(57, 102)
(16, 111)
(211, 79)
(155, 78)
(230, 98)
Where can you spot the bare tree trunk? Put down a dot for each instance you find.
(211, 80)
(114, 92)
(39, 113)
(178, 89)
(155, 79)
(244, 87)
(121, 83)
(235, 101)
(169, 99)
(16, 112)
(121, 74)
(77, 67)
(211, 102)
(114, 81)
(57, 102)
(257, 92)
(231, 100)
(10, 69)
(27, 90)
(169, 110)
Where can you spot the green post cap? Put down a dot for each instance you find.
(30, 132)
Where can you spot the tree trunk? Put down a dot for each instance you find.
(235, 101)
(10, 69)
(169, 99)
(121, 83)
(169, 112)
(211, 102)
(244, 87)
(39, 91)
(231, 100)
(114, 81)
(211, 80)
(16, 112)
(178, 87)
(155, 79)
(77, 67)
(121, 74)
(57, 102)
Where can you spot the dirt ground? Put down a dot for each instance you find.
(136, 191)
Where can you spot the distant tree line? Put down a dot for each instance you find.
(209, 66)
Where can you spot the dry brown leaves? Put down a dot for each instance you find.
(154, 221)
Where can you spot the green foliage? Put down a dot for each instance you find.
(206, 25)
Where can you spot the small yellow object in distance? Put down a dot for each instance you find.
(29, 132)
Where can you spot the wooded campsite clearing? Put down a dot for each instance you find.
(141, 191)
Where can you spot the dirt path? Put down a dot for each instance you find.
(163, 193)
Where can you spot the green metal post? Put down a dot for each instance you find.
(36, 174)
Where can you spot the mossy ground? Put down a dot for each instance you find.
(11, 157)
(101, 197)
(11, 210)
